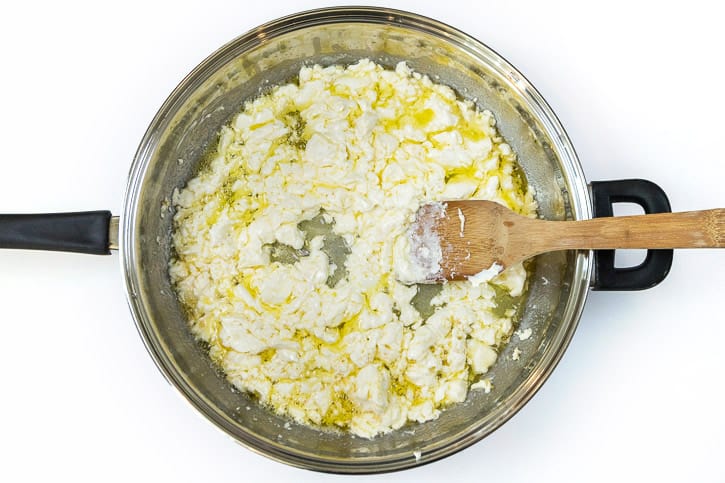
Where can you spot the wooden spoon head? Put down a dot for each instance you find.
(472, 235)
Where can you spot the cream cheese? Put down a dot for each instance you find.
(485, 275)
(286, 247)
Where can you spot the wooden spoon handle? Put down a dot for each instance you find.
(689, 229)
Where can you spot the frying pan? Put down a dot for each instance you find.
(186, 127)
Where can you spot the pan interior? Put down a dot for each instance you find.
(187, 126)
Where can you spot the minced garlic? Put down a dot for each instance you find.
(286, 242)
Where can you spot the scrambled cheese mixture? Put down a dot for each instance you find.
(286, 245)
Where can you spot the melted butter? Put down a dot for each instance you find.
(341, 411)
(347, 327)
(423, 118)
(403, 388)
(267, 354)
(468, 174)
(471, 132)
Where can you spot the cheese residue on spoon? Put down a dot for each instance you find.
(419, 255)
(286, 246)
(462, 219)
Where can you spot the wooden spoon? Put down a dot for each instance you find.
(476, 235)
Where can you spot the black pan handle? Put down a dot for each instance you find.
(657, 264)
(84, 232)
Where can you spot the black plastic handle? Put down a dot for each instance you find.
(84, 232)
(657, 264)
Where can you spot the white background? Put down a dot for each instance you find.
(638, 395)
